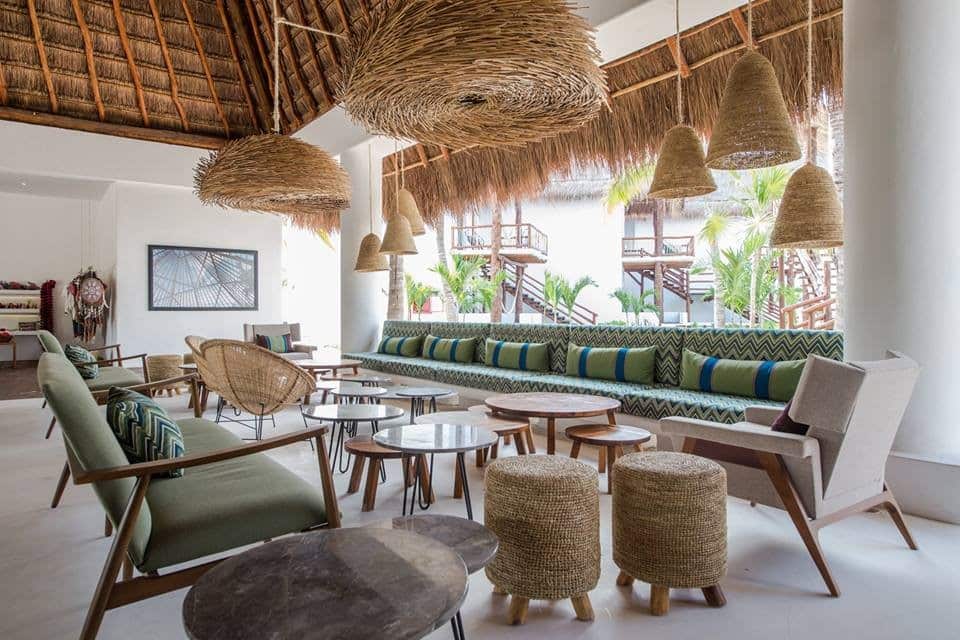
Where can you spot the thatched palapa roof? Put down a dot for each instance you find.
(643, 107)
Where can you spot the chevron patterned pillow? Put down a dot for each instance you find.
(83, 360)
(143, 429)
(763, 379)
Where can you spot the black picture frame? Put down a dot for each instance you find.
(248, 259)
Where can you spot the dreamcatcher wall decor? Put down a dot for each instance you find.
(86, 304)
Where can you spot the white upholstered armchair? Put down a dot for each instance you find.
(300, 351)
(837, 469)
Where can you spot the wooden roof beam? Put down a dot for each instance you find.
(42, 54)
(365, 8)
(131, 63)
(344, 16)
(231, 42)
(445, 153)
(673, 43)
(325, 25)
(264, 58)
(740, 25)
(263, 94)
(421, 153)
(294, 56)
(300, 14)
(91, 65)
(174, 86)
(206, 66)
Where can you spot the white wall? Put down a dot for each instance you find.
(311, 286)
(149, 214)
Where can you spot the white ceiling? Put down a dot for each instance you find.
(52, 186)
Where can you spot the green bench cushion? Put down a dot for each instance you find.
(611, 363)
(478, 376)
(555, 335)
(662, 401)
(478, 330)
(225, 505)
(669, 342)
(764, 379)
(397, 365)
(407, 346)
(571, 384)
(114, 377)
(523, 356)
(449, 349)
(763, 344)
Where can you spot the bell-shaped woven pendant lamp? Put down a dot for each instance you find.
(408, 205)
(810, 215)
(369, 257)
(398, 236)
(753, 127)
(680, 170)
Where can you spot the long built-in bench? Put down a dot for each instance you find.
(662, 398)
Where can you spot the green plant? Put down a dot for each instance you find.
(551, 292)
(623, 297)
(460, 278)
(418, 294)
(632, 183)
(639, 304)
(483, 292)
(569, 292)
(714, 228)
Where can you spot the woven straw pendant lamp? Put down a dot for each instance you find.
(398, 236)
(369, 257)
(680, 170)
(408, 205)
(753, 128)
(810, 215)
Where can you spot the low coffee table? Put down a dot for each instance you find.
(421, 439)
(360, 583)
(345, 418)
(333, 365)
(357, 394)
(419, 397)
(552, 406)
(365, 379)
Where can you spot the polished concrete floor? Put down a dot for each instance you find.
(50, 561)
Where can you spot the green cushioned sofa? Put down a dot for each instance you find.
(658, 400)
(230, 495)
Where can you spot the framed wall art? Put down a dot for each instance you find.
(201, 279)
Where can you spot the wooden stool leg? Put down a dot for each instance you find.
(521, 445)
(602, 460)
(356, 474)
(480, 457)
(659, 600)
(624, 579)
(53, 423)
(457, 486)
(714, 596)
(506, 439)
(61, 485)
(611, 458)
(373, 480)
(426, 490)
(500, 591)
(495, 450)
(518, 610)
(575, 450)
(581, 604)
(528, 434)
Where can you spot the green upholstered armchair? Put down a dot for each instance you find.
(230, 495)
(112, 373)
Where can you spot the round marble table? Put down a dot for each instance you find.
(472, 541)
(345, 418)
(340, 584)
(365, 379)
(333, 365)
(357, 394)
(505, 427)
(421, 439)
(552, 406)
(419, 397)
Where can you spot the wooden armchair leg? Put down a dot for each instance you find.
(777, 471)
(326, 480)
(118, 551)
(61, 485)
(356, 475)
(107, 527)
(528, 435)
(894, 510)
(53, 423)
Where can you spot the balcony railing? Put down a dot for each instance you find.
(523, 236)
(645, 246)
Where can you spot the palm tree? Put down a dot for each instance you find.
(484, 293)
(639, 304)
(633, 183)
(759, 199)
(568, 293)
(623, 297)
(551, 292)
(449, 310)
(459, 278)
(418, 294)
(714, 227)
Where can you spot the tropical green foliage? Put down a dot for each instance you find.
(558, 290)
(470, 289)
(483, 292)
(633, 183)
(635, 304)
(418, 294)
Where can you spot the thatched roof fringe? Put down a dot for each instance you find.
(643, 110)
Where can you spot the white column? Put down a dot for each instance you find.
(902, 204)
(363, 303)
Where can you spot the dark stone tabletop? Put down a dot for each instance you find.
(345, 584)
(436, 438)
(476, 544)
(353, 412)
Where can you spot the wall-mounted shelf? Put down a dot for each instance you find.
(20, 312)
(20, 293)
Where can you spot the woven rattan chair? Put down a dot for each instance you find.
(253, 380)
(670, 525)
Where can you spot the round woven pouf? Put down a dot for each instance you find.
(670, 524)
(545, 510)
(162, 367)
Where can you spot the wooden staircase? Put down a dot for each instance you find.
(533, 295)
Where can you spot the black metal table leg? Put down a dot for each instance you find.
(462, 470)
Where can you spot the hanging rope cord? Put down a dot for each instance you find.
(750, 44)
(679, 70)
(810, 81)
(370, 180)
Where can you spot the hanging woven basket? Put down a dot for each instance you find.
(473, 72)
(753, 129)
(273, 173)
(369, 257)
(398, 238)
(409, 210)
(680, 170)
(810, 215)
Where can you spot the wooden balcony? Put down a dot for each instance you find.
(518, 242)
(640, 253)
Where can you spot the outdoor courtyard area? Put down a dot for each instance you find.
(50, 561)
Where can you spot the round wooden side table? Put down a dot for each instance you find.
(611, 440)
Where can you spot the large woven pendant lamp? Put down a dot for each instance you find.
(680, 170)
(408, 205)
(369, 257)
(810, 215)
(753, 129)
(274, 173)
(398, 236)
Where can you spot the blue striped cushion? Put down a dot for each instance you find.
(449, 349)
(407, 347)
(525, 356)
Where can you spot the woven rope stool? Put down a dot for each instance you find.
(545, 510)
(162, 367)
(670, 525)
